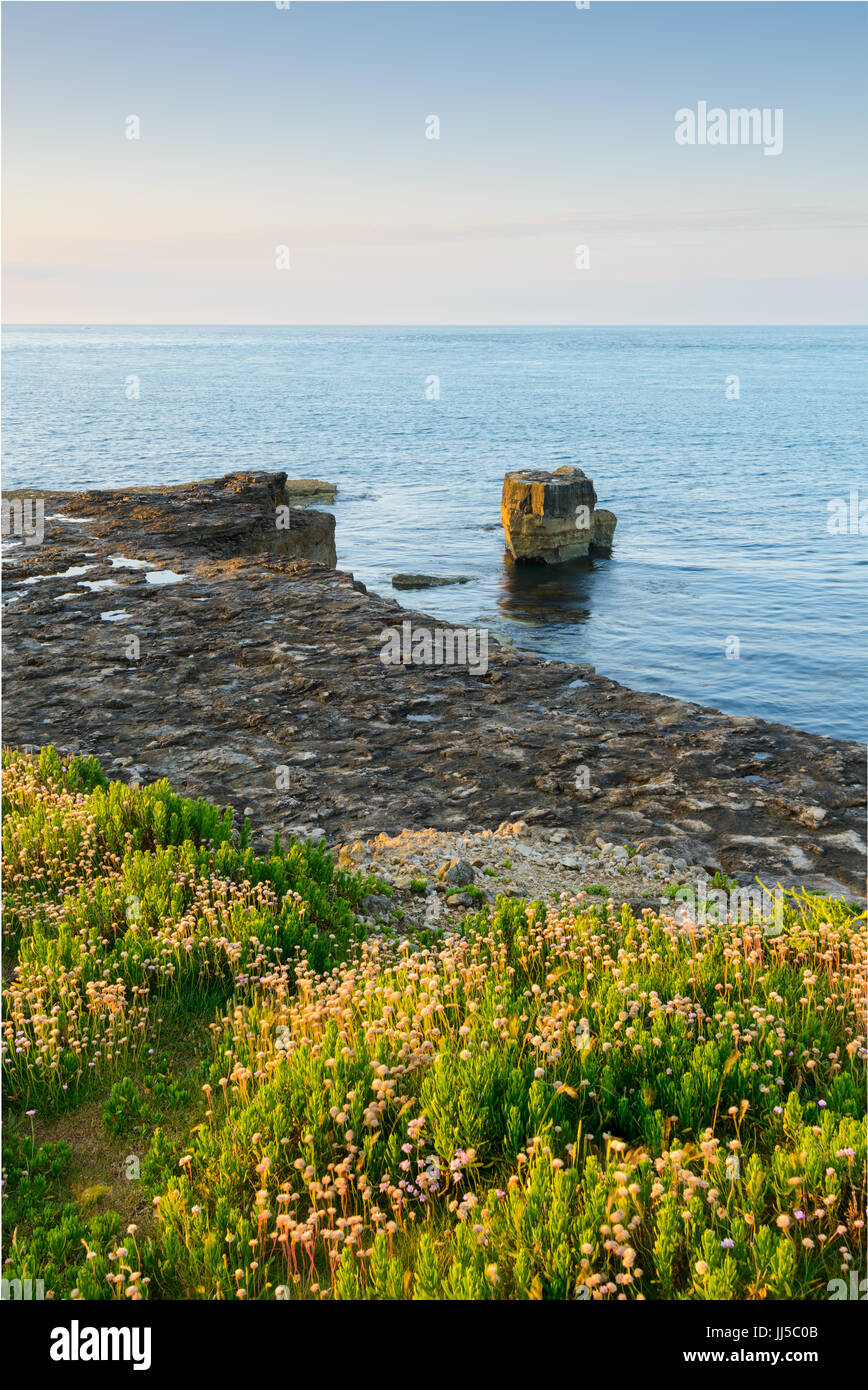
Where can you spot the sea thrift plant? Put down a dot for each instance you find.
(561, 1101)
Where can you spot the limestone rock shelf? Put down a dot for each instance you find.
(256, 659)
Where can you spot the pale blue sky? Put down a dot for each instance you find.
(262, 127)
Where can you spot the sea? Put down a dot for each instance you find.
(734, 459)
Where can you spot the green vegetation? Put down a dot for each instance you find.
(721, 880)
(557, 1103)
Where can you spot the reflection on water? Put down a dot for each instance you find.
(545, 594)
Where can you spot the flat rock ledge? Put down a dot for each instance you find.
(239, 514)
(168, 632)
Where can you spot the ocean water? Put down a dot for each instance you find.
(722, 504)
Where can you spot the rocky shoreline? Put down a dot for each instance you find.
(201, 633)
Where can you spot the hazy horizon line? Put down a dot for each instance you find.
(74, 323)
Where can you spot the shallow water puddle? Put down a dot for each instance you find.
(114, 615)
(164, 577)
(97, 584)
(124, 562)
(63, 574)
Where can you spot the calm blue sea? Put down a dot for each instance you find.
(722, 503)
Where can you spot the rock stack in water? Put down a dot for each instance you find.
(552, 517)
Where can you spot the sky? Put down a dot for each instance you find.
(307, 128)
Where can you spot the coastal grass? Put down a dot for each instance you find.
(219, 1084)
